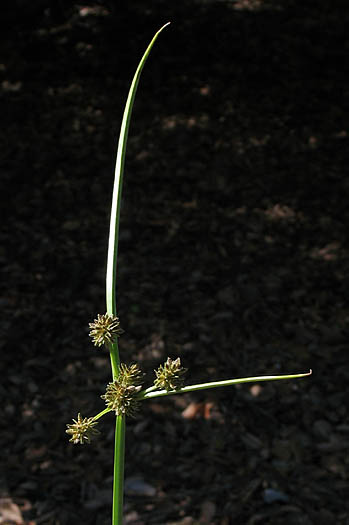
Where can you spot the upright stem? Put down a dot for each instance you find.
(114, 356)
(119, 452)
(119, 449)
(119, 461)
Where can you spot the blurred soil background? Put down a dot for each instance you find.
(233, 256)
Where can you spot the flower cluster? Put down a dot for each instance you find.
(82, 430)
(130, 375)
(121, 394)
(169, 376)
(105, 329)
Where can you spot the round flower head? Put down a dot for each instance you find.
(130, 375)
(82, 430)
(122, 399)
(120, 395)
(105, 329)
(169, 376)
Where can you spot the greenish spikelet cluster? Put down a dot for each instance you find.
(169, 376)
(82, 430)
(130, 375)
(120, 395)
(105, 329)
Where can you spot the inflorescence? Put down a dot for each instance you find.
(82, 430)
(105, 329)
(169, 376)
(123, 394)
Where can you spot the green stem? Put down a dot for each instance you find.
(215, 384)
(101, 414)
(114, 358)
(119, 461)
(149, 389)
(110, 281)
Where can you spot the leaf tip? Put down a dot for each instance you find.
(163, 27)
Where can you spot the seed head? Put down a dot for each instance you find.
(82, 430)
(121, 399)
(130, 375)
(105, 329)
(169, 376)
(120, 395)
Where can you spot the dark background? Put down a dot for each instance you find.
(233, 256)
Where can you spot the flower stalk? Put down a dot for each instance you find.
(119, 450)
(124, 393)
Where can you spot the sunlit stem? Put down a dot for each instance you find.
(101, 414)
(110, 281)
(216, 384)
(119, 462)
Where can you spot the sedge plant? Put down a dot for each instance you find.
(125, 393)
